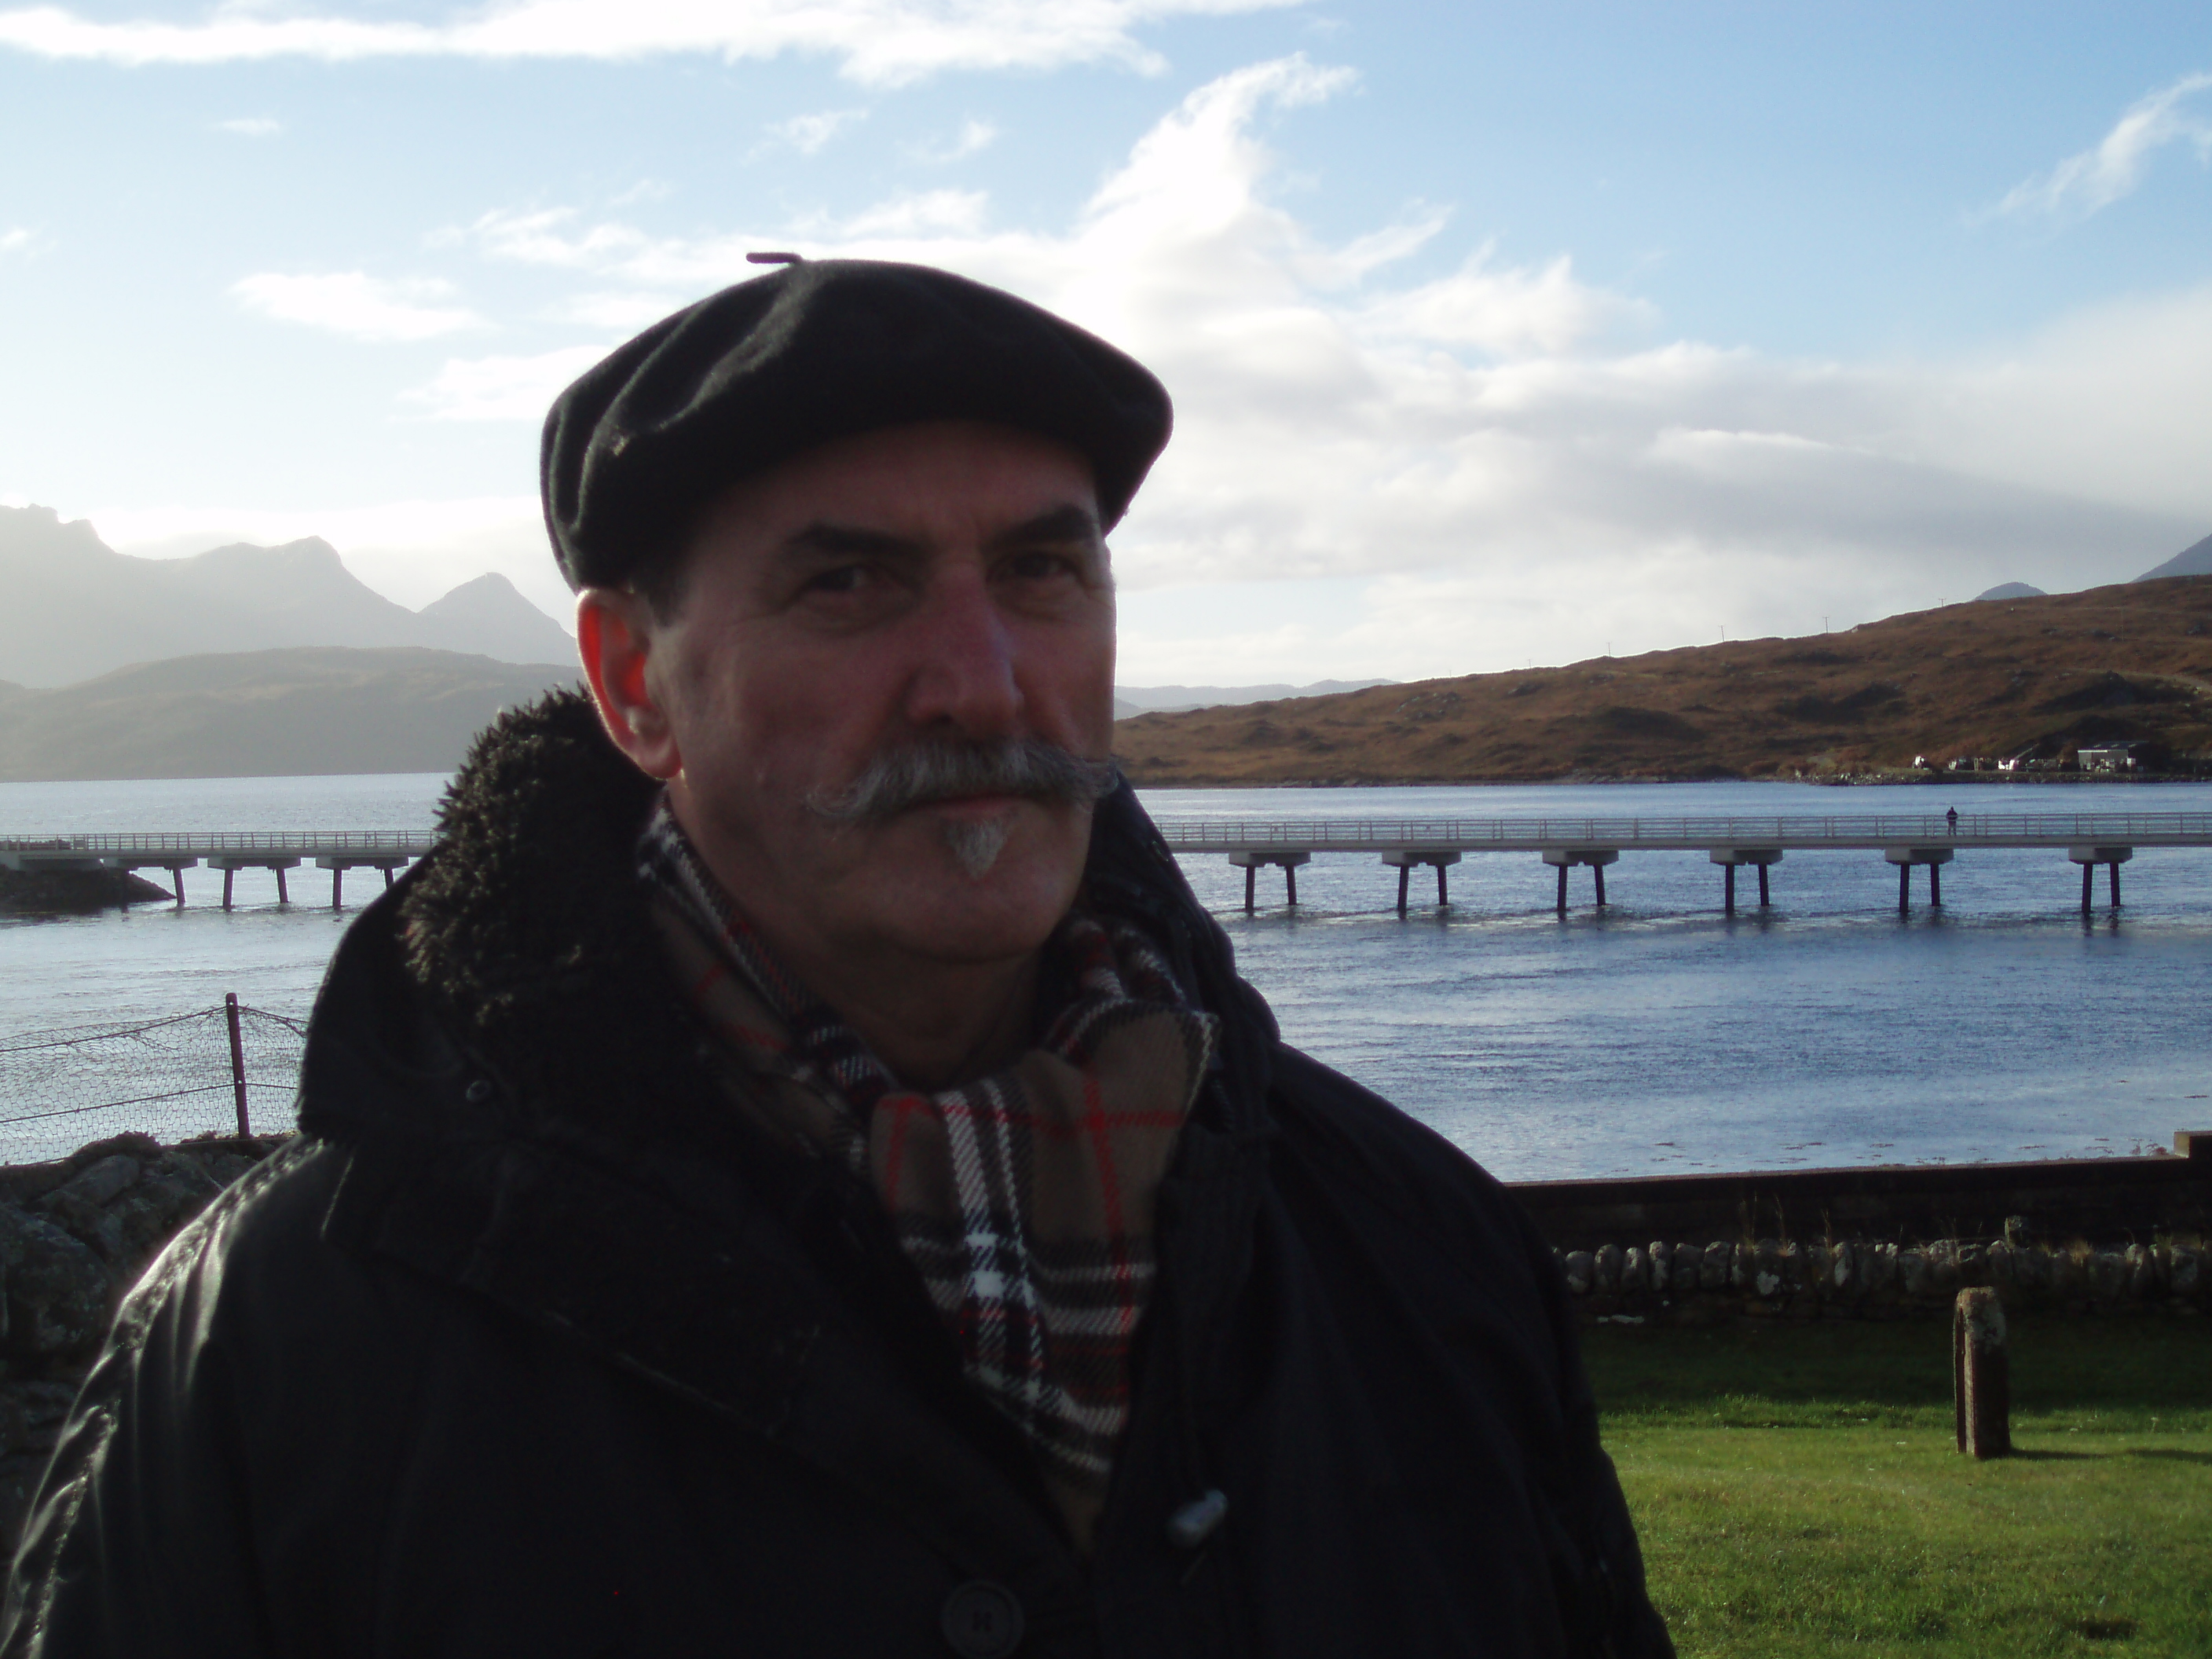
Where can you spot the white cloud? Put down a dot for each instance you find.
(504, 388)
(807, 134)
(2081, 184)
(251, 126)
(17, 240)
(877, 42)
(621, 312)
(362, 306)
(973, 137)
(925, 212)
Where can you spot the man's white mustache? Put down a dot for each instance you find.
(917, 774)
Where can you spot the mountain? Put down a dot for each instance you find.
(265, 714)
(2192, 560)
(489, 616)
(2011, 591)
(2038, 676)
(77, 608)
(1174, 698)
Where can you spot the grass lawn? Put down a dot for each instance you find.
(1797, 1491)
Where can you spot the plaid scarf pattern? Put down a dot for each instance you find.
(1025, 1198)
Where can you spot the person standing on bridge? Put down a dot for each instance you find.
(794, 1170)
(1951, 817)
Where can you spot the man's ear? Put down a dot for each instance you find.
(614, 635)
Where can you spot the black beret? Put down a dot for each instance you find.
(814, 351)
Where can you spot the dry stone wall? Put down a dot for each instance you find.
(1687, 1283)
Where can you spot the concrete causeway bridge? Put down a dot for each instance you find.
(335, 850)
(1910, 841)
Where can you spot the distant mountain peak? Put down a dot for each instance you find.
(2195, 560)
(78, 609)
(491, 611)
(2012, 591)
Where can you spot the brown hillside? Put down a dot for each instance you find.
(1991, 677)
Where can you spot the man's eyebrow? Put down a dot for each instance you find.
(1068, 522)
(838, 539)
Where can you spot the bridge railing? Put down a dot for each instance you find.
(342, 840)
(1320, 832)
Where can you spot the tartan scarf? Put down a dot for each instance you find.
(1024, 1198)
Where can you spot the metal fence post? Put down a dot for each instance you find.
(237, 1061)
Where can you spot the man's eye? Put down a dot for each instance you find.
(1039, 566)
(844, 579)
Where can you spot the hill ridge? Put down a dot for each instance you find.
(2132, 661)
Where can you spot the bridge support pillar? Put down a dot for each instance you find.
(1407, 860)
(2089, 857)
(231, 863)
(1729, 857)
(337, 863)
(124, 868)
(1250, 859)
(1906, 858)
(1564, 857)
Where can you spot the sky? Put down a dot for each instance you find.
(1498, 334)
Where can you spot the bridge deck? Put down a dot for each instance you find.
(1837, 832)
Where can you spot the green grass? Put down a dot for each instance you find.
(1797, 1491)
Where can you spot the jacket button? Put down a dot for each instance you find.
(1196, 1521)
(478, 1092)
(982, 1621)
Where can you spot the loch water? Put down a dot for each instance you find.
(1656, 1035)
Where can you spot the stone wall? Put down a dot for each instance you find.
(1689, 1284)
(74, 1236)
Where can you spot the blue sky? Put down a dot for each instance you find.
(1498, 333)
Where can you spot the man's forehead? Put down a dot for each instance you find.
(924, 484)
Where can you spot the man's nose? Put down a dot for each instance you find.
(963, 659)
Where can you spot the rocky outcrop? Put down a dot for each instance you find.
(74, 1235)
(50, 892)
(1690, 1283)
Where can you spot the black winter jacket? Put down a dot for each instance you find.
(524, 1347)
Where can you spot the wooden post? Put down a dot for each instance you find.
(2088, 875)
(1251, 878)
(1441, 899)
(2115, 867)
(1291, 880)
(1404, 872)
(226, 875)
(1981, 1383)
(1903, 889)
(387, 878)
(1728, 889)
(337, 885)
(237, 1061)
(1598, 870)
(1562, 889)
(177, 881)
(1762, 887)
(1936, 885)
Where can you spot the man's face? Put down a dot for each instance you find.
(936, 583)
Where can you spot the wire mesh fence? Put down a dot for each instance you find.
(217, 1070)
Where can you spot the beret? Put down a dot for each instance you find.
(817, 350)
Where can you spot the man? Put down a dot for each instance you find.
(795, 1171)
